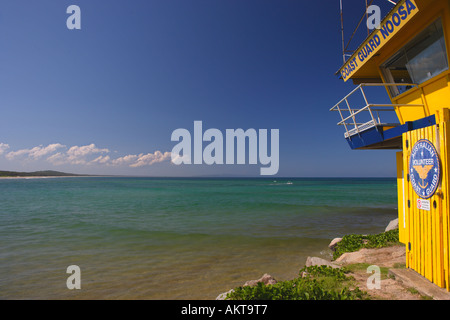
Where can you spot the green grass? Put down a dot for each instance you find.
(384, 271)
(399, 265)
(323, 282)
(355, 242)
(413, 290)
(313, 283)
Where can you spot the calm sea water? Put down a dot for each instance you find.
(146, 238)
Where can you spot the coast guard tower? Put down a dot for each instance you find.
(408, 57)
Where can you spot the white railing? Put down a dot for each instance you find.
(354, 127)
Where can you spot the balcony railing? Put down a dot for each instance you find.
(370, 111)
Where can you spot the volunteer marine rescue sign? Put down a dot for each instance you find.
(424, 169)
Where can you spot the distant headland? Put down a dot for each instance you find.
(46, 173)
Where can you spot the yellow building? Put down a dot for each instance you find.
(408, 57)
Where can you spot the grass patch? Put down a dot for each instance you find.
(413, 290)
(399, 265)
(362, 267)
(355, 242)
(313, 283)
(422, 297)
(323, 282)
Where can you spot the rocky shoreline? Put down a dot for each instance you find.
(386, 257)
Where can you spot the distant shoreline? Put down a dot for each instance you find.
(38, 174)
(47, 177)
(187, 178)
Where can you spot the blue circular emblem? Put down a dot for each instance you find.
(424, 169)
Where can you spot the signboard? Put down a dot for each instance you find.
(396, 20)
(423, 204)
(424, 169)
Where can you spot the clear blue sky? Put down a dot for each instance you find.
(137, 70)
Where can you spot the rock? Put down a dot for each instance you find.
(392, 225)
(315, 261)
(334, 243)
(382, 256)
(265, 279)
(222, 296)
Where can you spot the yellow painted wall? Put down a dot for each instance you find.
(437, 93)
(434, 94)
(403, 235)
(405, 113)
(426, 233)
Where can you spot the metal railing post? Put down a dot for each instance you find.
(376, 121)
(368, 105)
(352, 115)
(364, 94)
(342, 117)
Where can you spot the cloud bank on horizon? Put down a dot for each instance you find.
(58, 154)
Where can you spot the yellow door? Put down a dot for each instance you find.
(423, 221)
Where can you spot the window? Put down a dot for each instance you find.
(421, 59)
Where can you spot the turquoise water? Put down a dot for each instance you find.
(148, 238)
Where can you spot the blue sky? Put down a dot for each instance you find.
(105, 99)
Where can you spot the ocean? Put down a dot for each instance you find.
(163, 238)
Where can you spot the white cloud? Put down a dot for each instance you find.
(151, 158)
(3, 148)
(38, 152)
(14, 154)
(57, 159)
(83, 155)
(82, 151)
(126, 160)
(177, 159)
(34, 153)
(141, 160)
(101, 160)
(78, 155)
